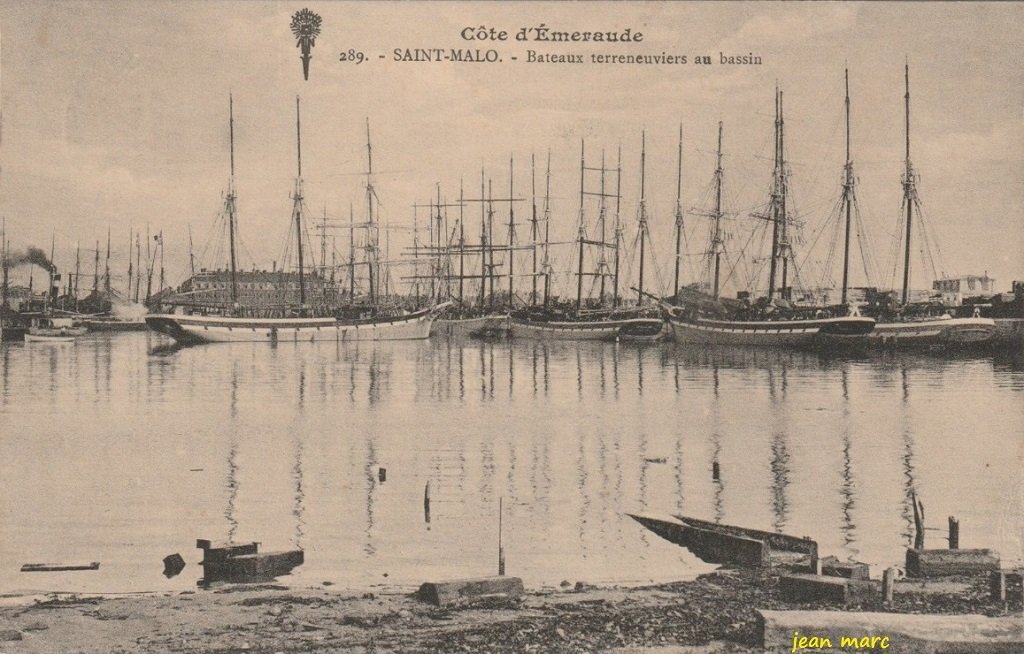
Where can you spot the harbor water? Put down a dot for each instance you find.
(123, 449)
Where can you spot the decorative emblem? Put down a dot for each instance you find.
(306, 27)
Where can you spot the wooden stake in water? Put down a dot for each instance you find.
(918, 521)
(501, 549)
(426, 503)
(954, 533)
(888, 581)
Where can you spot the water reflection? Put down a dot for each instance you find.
(847, 489)
(296, 434)
(780, 453)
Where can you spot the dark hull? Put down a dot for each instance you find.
(116, 325)
(826, 333)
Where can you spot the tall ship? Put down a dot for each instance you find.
(236, 306)
(594, 321)
(906, 325)
(711, 320)
(462, 266)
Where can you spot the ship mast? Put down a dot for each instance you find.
(775, 202)
(483, 242)
(462, 245)
(784, 251)
(191, 254)
(847, 194)
(351, 254)
(49, 286)
(716, 238)
(618, 228)
(602, 216)
(533, 227)
(106, 265)
(490, 241)
(297, 207)
(909, 191)
(679, 214)
(230, 202)
(580, 236)
(511, 233)
(128, 293)
(78, 268)
(96, 274)
(547, 231)
(371, 235)
(643, 214)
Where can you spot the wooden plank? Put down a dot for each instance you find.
(711, 546)
(944, 563)
(813, 588)
(832, 567)
(218, 552)
(935, 634)
(248, 568)
(781, 542)
(467, 591)
(59, 567)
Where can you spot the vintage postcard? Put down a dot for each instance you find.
(511, 327)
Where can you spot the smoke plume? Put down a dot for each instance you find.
(33, 255)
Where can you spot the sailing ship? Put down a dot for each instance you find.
(480, 315)
(203, 322)
(697, 318)
(600, 323)
(912, 327)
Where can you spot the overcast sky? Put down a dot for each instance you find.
(115, 115)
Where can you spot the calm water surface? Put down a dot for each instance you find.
(122, 450)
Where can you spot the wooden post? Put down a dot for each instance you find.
(382, 474)
(998, 585)
(501, 548)
(918, 521)
(954, 533)
(716, 473)
(816, 565)
(426, 503)
(888, 581)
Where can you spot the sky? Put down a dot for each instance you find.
(115, 116)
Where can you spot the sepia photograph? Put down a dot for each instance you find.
(606, 327)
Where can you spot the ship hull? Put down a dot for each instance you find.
(598, 330)
(192, 330)
(35, 338)
(116, 325)
(821, 333)
(937, 333)
(493, 325)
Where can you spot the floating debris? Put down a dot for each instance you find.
(59, 567)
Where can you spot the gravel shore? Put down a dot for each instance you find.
(714, 613)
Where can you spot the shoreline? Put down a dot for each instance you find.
(714, 613)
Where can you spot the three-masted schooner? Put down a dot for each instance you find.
(710, 320)
(195, 321)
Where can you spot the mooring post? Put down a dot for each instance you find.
(918, 521)
(888, 580)
(382, 474)
(954, 533)
(816, 565)
(426, 503)
(998, 587)
(501, 548)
